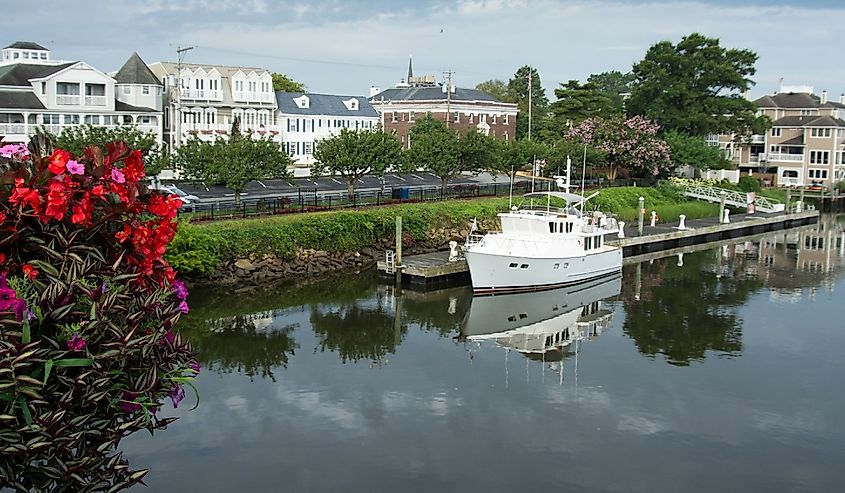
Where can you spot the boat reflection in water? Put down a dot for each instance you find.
(542, 325)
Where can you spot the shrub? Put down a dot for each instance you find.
(750, 184)
(87, 306)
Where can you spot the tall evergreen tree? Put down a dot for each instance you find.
(518, 90)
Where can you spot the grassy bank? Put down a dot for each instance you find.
(200, 249)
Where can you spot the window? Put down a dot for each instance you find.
(818, 174)
(557, 266)
(410, 116)
(144, 120)
(776, 132)
(506, 136)
(145, 90)
(523, 266)
(493, 118)
(95, 89)
(513, 266)
(819, 157)
(820, 132)
(92, 119)
(504, 119)
(43, 56)
(482, 118)
(839, 157)
(71, 119)
(790, 173)
(15, 55)
(395, 117)
(588, 243)
(127, 89)
(806, 112)
(309, 147)
(26, 54)
(43, 88)
(456, 117)
(471, 116)
(67, 88)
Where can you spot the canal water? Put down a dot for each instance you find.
(715, 370)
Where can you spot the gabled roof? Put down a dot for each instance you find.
(19, 74)
(20, 100)
(135, 71)
(795, 100)
(432, 94)
(809, 121)
(323, 104)
(26, 45)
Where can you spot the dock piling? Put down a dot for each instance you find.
(398, 250)
(640, 215)
(682, 222)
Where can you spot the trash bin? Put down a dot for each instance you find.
(404, 193)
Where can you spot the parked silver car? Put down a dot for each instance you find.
(187, 199)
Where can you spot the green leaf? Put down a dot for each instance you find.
(27, 416)
(48, 367)
(27, 336)
(63, 363)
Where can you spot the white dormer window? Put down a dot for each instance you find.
(351, 104)
(302, 102)
(145, 90)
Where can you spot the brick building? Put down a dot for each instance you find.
(467, 109)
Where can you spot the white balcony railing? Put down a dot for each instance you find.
(12, 128)
(785, 158)
(67, 99)
(204, 94)
(211, 130)
(755, 158)
(251, 96)
(758, 139)
(95, 100)
(788, 181)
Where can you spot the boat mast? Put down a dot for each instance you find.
(583, 174)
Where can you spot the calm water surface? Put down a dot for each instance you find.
(721, 370)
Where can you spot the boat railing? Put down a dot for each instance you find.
(602, 223)
(474, 239)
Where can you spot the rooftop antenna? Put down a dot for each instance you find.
(180, 55)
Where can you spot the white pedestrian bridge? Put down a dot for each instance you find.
(732, 197)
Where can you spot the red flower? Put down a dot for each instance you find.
(58, 160)
(24, 194)
(133, 166)
(29, 271)
(2, 258)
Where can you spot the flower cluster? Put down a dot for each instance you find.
(628, 143)
(84, 286)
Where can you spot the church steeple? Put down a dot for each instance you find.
(410, 69)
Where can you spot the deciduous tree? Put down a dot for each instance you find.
(233, 163)
(631, 143)
(283, 83)
(696, 87)
(693, 151)
(434, 148)
(355, 153)
(496, 88)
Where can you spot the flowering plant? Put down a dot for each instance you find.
(626, 143)
(87, 310)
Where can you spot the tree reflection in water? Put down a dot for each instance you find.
(684, 312)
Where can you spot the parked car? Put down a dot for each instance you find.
(187, 199)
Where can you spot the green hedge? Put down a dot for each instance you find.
(202, 248)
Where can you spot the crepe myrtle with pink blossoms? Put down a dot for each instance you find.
(89, 351)
(631, 143)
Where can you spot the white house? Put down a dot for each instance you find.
(308, 118)
(210, 97)
(37, 91)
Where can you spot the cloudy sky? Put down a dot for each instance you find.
(345, 46)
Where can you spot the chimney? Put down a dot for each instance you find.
(374, 90)
(824, 97)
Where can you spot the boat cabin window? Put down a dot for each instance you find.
(556, 227)
(598, 241)
(513, 266)
(588, 243)
(523, 266)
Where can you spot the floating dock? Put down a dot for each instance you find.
(435, 270)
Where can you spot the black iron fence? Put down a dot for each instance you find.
(312, 199)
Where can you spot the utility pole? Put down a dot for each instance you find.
(448, 75)
(180, 54)
(529, 105)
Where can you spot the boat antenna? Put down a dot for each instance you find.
(583, 174)
(510, 195)
(533, 170)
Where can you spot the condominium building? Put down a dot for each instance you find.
(462, 109)
(39, 92)
(307, 118)
(210, 98)
(805, 145)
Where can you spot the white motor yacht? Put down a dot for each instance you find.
(543, 247)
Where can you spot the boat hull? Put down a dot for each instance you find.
(495, 273)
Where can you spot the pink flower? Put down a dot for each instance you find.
(75, 167)
(117, 176)
(183, 306)
(76, 343)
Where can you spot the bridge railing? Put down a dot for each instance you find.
(732, 197)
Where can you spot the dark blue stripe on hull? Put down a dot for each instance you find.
(541, 287)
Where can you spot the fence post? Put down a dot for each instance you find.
(212, 211)
(301, 203)
(640, 215)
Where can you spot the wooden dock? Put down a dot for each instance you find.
(435, 270)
